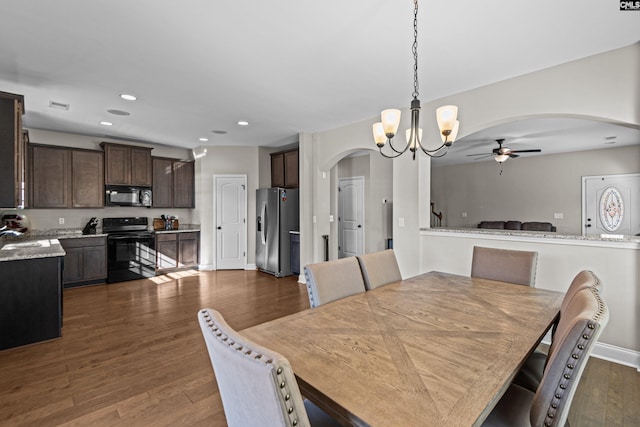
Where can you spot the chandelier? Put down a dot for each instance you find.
(446, 116)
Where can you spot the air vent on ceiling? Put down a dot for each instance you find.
(119, 112)
(58, 105)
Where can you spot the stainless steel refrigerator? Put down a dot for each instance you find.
(277, 213)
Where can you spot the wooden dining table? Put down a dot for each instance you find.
(434, 350)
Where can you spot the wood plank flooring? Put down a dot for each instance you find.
(132, 354)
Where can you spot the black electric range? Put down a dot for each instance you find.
(131, 251)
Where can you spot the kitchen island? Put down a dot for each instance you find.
(30, 291)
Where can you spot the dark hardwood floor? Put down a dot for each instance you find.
(132, 354)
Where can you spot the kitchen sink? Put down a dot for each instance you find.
(25, 245)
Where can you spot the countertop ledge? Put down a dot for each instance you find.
(633, 241)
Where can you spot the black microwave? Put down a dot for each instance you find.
(122, 195)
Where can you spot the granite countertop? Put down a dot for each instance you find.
(29, 248)
(184, 228)
(539, 234)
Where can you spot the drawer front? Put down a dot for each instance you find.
(83, 242)
(165, 237)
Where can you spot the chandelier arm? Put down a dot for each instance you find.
(390, 141)
(398, 153)
(437, 152)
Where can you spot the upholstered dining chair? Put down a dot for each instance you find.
(532, 371)
(584, 319)
(257, 385)
(331, 280)
(504, 265)
(379, 268)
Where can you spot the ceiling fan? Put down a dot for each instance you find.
(501, 153)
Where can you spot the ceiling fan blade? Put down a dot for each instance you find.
(480, 154)
(484, 157)
(527, 151)
(514, 156)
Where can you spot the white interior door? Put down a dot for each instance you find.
(611, 204)
(350, 216)
(231, 222)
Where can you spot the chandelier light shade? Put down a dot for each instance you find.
(446, 117)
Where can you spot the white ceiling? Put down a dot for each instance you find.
(285, 66)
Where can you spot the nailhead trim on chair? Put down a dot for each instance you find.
(580, 346)
(312, 301)
(285, 393)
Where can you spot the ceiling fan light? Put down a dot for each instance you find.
(501, 158)
(447, 116)
(378, 134)
(390, 121)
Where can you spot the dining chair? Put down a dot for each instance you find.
(582, 323)
(257, 386)
(504, 265)
(532, 371)
(331, 280)
(379, 268)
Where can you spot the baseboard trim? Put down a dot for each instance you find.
(207, 267)
(622, 356)
(250, 267)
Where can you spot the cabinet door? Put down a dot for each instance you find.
(162, 183)
(189, 244)
(291, 169)
(94, 262)
(166, 251)
(183, 184)
(277, 170)
(141, 167)
(117, 160)
(50, 177)
(10, 145)
(72, 265)
(87, 179)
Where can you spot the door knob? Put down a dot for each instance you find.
(219, 228)
(359, 226)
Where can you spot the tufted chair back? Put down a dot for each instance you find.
(504, 265)
(379, 268)
(581, 324)
(257, 385)
(582, 280)
(332, 280)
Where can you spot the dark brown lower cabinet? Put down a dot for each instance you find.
(31, 302)
(177, 250)
(85, 262)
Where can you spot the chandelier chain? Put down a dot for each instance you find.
(415, 50)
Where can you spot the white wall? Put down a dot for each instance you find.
(529, 189)
(224, 161)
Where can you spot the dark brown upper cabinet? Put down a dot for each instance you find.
(61, 177)
(173, 183)
(12, 155)
(127, 165)
(284, 169)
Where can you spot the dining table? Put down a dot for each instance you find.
(437, 349)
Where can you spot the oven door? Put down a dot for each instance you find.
(130, 256)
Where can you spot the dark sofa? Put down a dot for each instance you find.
(517, 225)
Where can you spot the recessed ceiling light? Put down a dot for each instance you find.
(128, 97)
(219, 132)
(204, 139)
(243, 123)
(119, 112)
(103, 123)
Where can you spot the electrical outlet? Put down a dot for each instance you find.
(558, 215)
(400, 222)
(330, 218)
(61, 221)
(464, 214)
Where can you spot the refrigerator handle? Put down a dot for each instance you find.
(262, 224)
